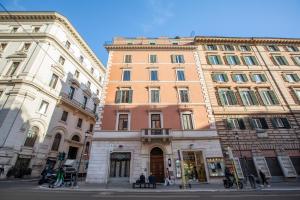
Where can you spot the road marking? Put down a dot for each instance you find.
(256, 195)
(141, 196)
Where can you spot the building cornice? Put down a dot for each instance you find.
(148, 46)
(51, 16)
(247, 40)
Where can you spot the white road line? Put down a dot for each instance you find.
(256, 195)
(143, 196)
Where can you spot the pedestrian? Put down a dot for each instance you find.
(263, 178)
(152, 180)
(167, 177)
(252, 180)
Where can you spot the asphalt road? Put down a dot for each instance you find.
(29, 191)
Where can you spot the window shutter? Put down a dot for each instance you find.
(254, 60)
(243, 98)
(241, 123)
(130, 96)
(220, 47)
(273, 96)
(274, 60)
(264, 123)
(251, 123)
(284, 77)
(296, 77)
(233, 76)
(295, 61)
(225, 77)
(263, 97)
(182, 59)
(229, 123)
(219, 60)
(284, 60)
(274, 124)
(276, 48)
(118, 96)
(173, 58)
(226, 60)
(253, 97)
(233, 97)
(264, 78)
(252, 78)
(296, 48)
(208, 60)
(285, 122)
(238, 62)
(245, 77)
(243, 60)
(222, 101)
(214, 77)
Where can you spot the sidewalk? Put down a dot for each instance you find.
(205, 187)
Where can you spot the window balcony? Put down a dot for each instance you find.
(156, 134)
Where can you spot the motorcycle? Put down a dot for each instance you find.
(48, 177)
(231, 181)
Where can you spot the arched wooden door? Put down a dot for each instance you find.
(157, 164)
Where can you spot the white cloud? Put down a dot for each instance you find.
(161, 13)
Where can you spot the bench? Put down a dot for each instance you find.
(144, 185)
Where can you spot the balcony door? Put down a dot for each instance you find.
(155, 124)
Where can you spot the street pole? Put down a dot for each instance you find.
(78, 166)
(241, 160)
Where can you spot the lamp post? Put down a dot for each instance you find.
(242, 163)
(78, 166)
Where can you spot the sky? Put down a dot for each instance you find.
(99, 21)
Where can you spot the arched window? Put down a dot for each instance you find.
(76, 138)
(87, 148)
(31, 136)
(56, 142)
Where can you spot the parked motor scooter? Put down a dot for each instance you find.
(230, 182)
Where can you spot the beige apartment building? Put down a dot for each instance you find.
(254, 90)
(50, 92)
(157, 116)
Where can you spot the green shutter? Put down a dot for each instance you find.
(243, 60)
(274, 98)
(273, 123)
(233, 76)
(264, 78)
(118, 96)
(243, 98)
(182, 59)
(225, 77)
(262, 97)
(296, 77)
(221, 98)
(226, 60)
(245, 77)
(209, 60)
(130, 96)
(219, 60)
(233, 97)
(285, 122)
(251, 123)
(295, 61)
(253, 97)
(238, 62)
(284, 60)
(229, 123)
(241, 123)
(254, 60)
(252, 77)
(284, 77)
(274, 60)
(214, 77)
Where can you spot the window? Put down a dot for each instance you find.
(235, 123)
(61, 60)
(248, 97)
(280, 122)
(291, 78)
(214, 60)
(187, 121)
(297, 93)
(76, 138)
(273, 48)
(36, 29)
(67, 44)
(211, 47)
(43, 107)
(2, 46)
(232, 60)
(184, 96)
(76, 74)
(88, 84)
(154, 95)
(258, 123)
(123, 122)
(126, 75)
(153, 58)
(239, 78)
(64, 116)
(269, 97)
(123, 96)
(87, 148)
(91, 127)
(245, 48)
(79, 123)
(127, 59)
(227, 97)
(100, 79)
(53, 81)
(95, 108)
(258, 78)
(81, 58)
(180, 75)
(292, 48)
(280, 60)
(250, 60)
(97, 92)
(56, 142)
(84, 102)
(219, 77)
(13, 68)
(153, 75)
(152, 43)
(14, 29)
(26, 47)
(177, 59)
(296, 60)
(31, 136)
(71, 92)
(92, 70)
(228, 47)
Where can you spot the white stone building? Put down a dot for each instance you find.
(50, 91)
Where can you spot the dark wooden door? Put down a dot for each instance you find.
(157, 164)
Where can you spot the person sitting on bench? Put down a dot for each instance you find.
(152, 180)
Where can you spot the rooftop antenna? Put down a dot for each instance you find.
(192, 34)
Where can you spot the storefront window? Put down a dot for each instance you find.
(193, 164)
(215, 166)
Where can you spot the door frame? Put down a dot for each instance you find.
(164, 161)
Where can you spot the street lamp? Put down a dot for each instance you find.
(78, 166)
